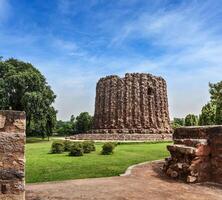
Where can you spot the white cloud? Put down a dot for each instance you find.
(192, 46)
(184, 40)
(4, 10)
(65, 45)
(69, 48)
(182, 26)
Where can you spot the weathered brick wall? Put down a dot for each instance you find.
(122, 137)
(196, 155)
(136, 103)
(12, 161)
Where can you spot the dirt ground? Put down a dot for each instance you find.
(145, 182)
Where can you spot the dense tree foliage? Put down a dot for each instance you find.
(216, 99)
(208, 113)
(191, 120)
(80, 124)
(178, 122)
(65, 127)
(83, 122)
(23, 87)
(211, 113)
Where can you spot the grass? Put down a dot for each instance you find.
(41, 166)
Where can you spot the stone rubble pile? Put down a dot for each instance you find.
(196, 155)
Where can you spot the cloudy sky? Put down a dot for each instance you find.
(75, 42)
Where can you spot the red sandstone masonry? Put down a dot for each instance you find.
(196, 155)
(122, 137)
(133, 104)
(216, 156)
(12, 149)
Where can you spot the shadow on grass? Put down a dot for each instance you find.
(35, 140)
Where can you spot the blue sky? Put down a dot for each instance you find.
(75, 42)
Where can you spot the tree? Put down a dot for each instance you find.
(23, 87)
(80, 124)
(191, 120)
(50, 121)
(208, 114)
(216, 99)
(178, 122)
(72, 119)
(66, 127)
(83, 122)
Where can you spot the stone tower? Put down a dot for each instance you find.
(136, 103)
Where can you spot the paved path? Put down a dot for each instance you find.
(145, 182)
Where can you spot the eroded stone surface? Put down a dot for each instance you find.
(12, 148)
(136, 103)
(2, 121)
(196, 155)
(122, 137)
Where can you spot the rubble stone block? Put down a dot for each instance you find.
(196, 154)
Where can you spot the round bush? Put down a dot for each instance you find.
(92, 145)
(88, 146)
(76, 149)
(67, 145)
(108, 148)
(57, 147)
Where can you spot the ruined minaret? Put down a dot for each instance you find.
(136, 103)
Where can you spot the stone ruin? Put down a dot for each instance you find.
(196, 155)
(12, 161)
(134, 107)
(136, 103)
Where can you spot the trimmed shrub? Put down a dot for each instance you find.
(93, 145)
(67, 145)
(115, 144)
(76, 149)
(108, 148)
(88, 146)
(57, 147)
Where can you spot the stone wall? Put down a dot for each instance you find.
(123, 137)
(12, 162)
(196, 155)
(216, 155)
(136, 103)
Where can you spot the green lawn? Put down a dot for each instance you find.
(42, 166)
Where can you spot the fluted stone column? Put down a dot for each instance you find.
(136, 103)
